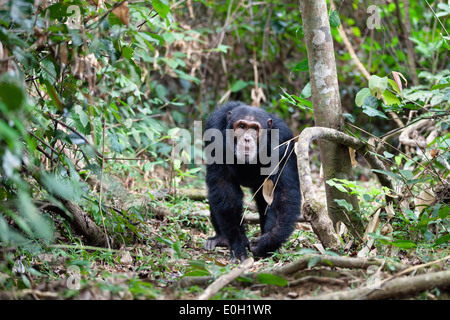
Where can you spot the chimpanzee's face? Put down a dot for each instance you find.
(248, 129)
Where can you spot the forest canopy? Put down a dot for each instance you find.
(102, 177)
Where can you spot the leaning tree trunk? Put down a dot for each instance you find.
(326, 101)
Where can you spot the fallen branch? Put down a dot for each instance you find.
(303, 263)
(335, 262)
(225, 279)
(80, 222)
(396, 288)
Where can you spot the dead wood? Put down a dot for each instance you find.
(79, 220)
(395, 288)
(306, 262)
(336, 262)
(225, 279)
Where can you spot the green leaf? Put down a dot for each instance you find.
(197, 273)
(162, 7)
(377, 86)
(440, 86)
(200, 264)
(394, 86)
(127, 52)
(115, 144)
(48, 70)
(361, 96)
(11, 95)
(334, 19)
(177, 247)
(304, 104)
(349, 117)
(404, 244)
(62, 188)
(76, 139)
(442, 240)
(267, 278)
(337, 185)
(388, 173)
(407, 174)
(41, 226)
(443, 212)
(372, 112)
(301, 66)
(391, 98)
(424, 223)
(84, 118)
(344, 204)
(306, 92)
(238, 86)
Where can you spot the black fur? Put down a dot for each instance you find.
(226, 196)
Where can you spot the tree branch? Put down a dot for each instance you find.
(312, 209)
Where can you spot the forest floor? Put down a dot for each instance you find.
(171, 264)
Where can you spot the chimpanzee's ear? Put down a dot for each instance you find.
(229, 115)
(269, 123)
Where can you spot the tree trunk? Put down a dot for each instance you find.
(335, 158)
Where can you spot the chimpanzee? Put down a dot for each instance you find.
(243, 135)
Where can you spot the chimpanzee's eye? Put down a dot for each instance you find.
(242, 126)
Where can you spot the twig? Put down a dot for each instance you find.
(76, 132)
(225, 279)
(115, 5)
(101, 180)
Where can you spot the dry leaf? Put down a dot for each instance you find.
(122, 12)
(64, 53)
(398, 81)
(373, 224)
(126, 258)
(424, 199)
(268, 191)
(387, 229)
(341, 228)
(390, 210)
